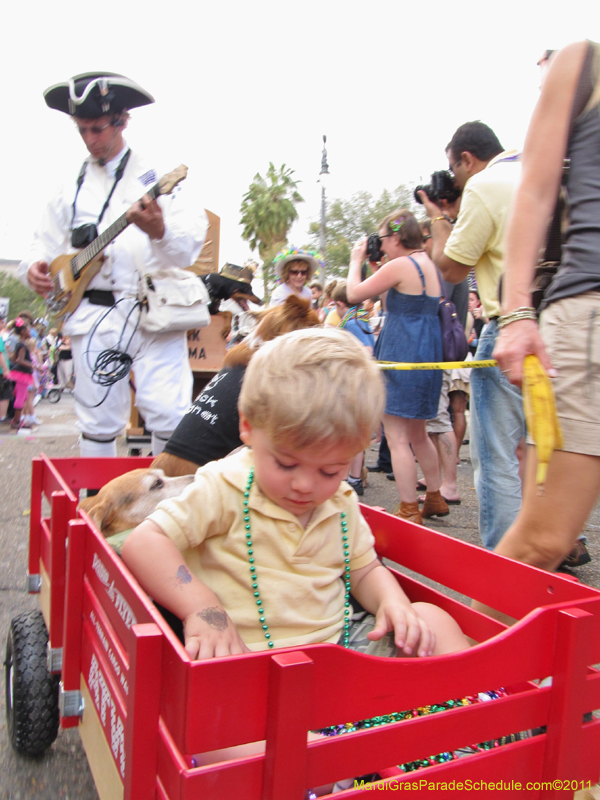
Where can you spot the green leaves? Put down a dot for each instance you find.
(268, 211)
(20, 296)
(348, 220)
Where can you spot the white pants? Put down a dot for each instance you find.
(162, 376)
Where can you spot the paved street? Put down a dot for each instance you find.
(63, 772)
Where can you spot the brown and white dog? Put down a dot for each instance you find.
(126, 501)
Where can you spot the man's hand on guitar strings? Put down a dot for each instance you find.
(148, 216)
(39, 279)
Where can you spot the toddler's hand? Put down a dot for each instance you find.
(412, 635)
(210, 633)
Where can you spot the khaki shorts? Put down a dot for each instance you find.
(442, 423)
(570, 329)
(362, 623)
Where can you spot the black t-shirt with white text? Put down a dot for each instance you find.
(210, 428)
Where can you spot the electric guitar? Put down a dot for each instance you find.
(72, 273)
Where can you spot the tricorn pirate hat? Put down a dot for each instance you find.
(96, 94)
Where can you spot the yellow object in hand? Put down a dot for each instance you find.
(540, 415)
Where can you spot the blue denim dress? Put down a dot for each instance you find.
(412, 334)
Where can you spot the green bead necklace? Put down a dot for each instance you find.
(254, 577)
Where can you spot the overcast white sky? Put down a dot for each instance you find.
(239, 85)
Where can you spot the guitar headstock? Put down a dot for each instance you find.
(169, 181)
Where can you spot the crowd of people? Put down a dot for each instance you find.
(311, 402)
(34, 359)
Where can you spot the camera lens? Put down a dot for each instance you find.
(374, 253)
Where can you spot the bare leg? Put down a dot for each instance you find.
(548, 524)
(445, 444)
(356, 465)
(28, 408)
(426, 455)
(448, 636)
(397, 433)
(458, 404)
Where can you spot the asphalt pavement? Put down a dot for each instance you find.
(62, 772)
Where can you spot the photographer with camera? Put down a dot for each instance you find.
(412, 334)
(487, 177)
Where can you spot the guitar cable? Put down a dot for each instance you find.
(113, 364)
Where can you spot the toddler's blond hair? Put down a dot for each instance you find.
(314, 387)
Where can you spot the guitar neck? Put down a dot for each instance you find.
(81, 260)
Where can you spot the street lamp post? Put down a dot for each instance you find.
(323, 175)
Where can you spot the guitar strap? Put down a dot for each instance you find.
(81, 177)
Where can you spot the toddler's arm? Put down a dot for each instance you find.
(161, 571)
(378, 592)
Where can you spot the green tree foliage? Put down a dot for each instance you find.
(21, 297)
(268, 210)
(348, 220)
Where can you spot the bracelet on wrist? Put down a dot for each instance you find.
(435, 219)
(525, 312)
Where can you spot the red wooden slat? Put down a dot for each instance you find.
(568, 702)
(63, 510)
(73, 623)
(189, 708)
(141, 731)
(291, 679)
(35, 518)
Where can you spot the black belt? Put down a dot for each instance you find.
(491, 319)
(100, 297)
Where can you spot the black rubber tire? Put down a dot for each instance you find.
(53, 395)
(31, 691)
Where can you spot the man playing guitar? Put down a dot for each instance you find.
(165, 232)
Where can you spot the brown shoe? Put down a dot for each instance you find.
(578, 556)
(434, 505)
(409, 511)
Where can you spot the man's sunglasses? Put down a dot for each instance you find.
(95, 130)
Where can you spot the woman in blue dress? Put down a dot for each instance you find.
(411, 334)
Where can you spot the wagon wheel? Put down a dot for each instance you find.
(31, 691)
(53, 395)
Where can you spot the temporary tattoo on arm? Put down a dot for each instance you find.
(183, 575)
(215, 617)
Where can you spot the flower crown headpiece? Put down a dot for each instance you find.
(298, 251)
(19, 322)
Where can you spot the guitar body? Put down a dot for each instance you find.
(69, 289)
(71, 274)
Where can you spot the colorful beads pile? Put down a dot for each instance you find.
(374, 722)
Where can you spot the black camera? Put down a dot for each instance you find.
(84, 235)
(441, 187)
(374, 252)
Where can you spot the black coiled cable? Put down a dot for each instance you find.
(114, 364)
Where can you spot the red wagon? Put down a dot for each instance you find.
(145, 711)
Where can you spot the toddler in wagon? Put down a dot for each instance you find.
(264, 548)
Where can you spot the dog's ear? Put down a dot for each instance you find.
(101, 513)
(298, 313)
(238, 356)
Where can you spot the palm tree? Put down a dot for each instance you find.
(268, 210)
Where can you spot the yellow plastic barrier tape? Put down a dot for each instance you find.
(438, 364)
